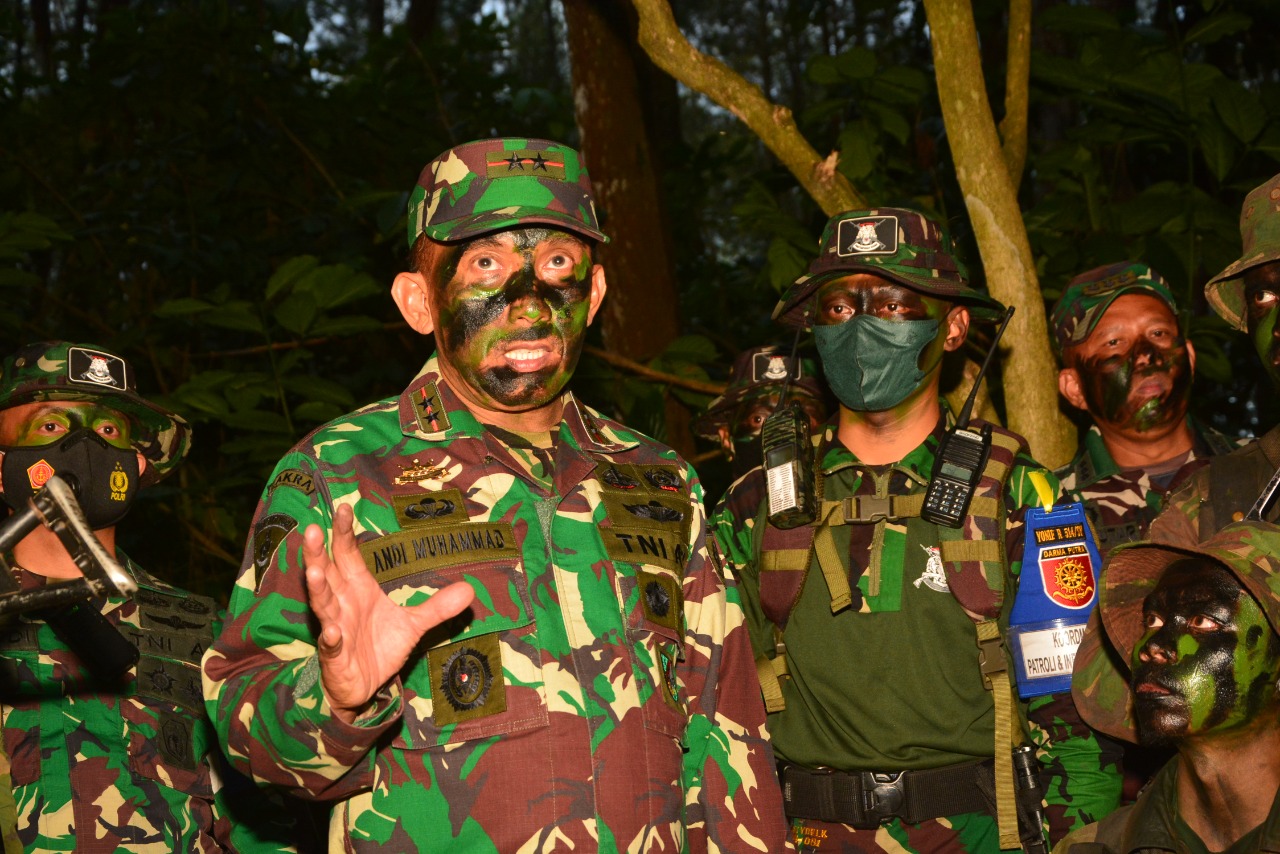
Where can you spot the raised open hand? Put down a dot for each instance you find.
(365, 638)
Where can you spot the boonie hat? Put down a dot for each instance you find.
(60, 370)
(898, 244)
(492, 184)
(1088, 296)
(1260, 233)
(1248, 550)
(756, 372)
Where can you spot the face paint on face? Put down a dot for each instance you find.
(1208, 660)
(1262, 310)
(1135, 369)
(44, 422)
(511, 312)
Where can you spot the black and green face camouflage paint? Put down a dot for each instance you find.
(1208, 661)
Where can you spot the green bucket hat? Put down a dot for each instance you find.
(60, 370)
(1260, 233)
(1088, 296)
(492, 184)
(898, 244)
(1100, 682)
(757, 372)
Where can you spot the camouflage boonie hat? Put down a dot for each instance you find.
(1088, 296)
(492, 184)
(757, 372)
(1260, 233)
(60, 370)
(902, 245)
(1249, 550)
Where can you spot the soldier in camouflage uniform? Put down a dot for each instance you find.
(733, 420)
(1246, 295)
(104, 762)
(1126, 363)
(519, 638)
(1198, 627)
(868, 625)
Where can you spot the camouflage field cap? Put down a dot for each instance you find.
(492, 184)
(1249, 550)
(1260, 233)
(898, 244)
(756, 372)
(60, 370)
(1088, 296)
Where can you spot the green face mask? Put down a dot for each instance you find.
(873, 364)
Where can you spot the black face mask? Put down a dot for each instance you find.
(102, 476)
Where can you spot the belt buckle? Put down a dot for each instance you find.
(883, 794)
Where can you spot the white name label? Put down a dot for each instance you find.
(1050, 652)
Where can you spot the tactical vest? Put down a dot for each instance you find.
(974, 562)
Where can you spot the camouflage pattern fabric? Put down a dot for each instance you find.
(60, 370)
(893, 682)
(1152, 824)
(1088, 296)
(901, 245)
(1252, 464)
(1250, 550)
(1121, 503)
(602, 695)
(491, 184)
(98, 769)
(1260, 233)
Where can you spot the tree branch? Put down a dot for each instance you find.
(1013, 127)
(670, 50)
(1030, 379)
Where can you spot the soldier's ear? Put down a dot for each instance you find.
(1069, 387)
(413, 298)
(1191, 357)
(598, 289)
(957, 326)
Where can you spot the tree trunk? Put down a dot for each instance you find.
(1030, 373)
(641, 313)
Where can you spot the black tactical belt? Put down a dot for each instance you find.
(867, 799)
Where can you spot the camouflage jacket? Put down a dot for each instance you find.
(105, 769)
(1122, 502)
(878, 688)
(1152, 824)
(1241, 475)
(601, 697)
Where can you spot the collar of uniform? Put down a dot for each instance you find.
(918, 461)
(1094, 462)
(1152, 826)
(588, 430)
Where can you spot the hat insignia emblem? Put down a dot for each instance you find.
(777, 368)
(99, 372)
(867, 239)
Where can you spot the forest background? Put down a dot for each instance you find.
(216, 190)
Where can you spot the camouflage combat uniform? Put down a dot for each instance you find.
(893, 682)
(1152, 824)
(99, 769)
(602, 697)
(1121, 503)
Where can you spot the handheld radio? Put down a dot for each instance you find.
(788, 460)
(961, 456)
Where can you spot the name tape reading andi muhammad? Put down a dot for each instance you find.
(1050, 652)
(419, 549)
